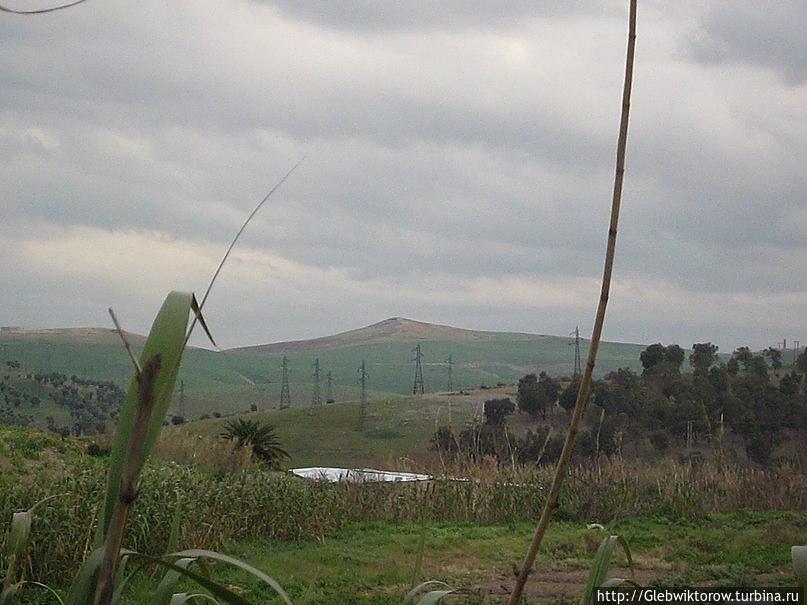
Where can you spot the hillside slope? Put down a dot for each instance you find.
(394, 329)
(236, 379)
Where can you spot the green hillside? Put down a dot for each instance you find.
(56, 401)
(232, 381)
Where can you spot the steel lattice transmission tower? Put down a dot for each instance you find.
(329, 388)
(316, 397)
(363, 376)
(285, 397)
(578, 366)
(450, 362)
(418, 388)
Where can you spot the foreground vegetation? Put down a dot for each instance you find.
(217, 508)
(373, 563)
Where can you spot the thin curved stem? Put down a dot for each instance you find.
(585, 384)
(40, 10)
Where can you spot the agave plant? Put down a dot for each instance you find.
(258, 435)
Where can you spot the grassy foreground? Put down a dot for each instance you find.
(373, 563)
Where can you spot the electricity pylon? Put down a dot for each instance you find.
(329, 388)
(316, 398)
(363, 376)
(418, 388)
(285, 397)
(578, 367)
(450, 363)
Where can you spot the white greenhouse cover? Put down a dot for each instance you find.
(355, 475)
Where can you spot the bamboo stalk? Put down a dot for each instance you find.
(585, 384)
(128, 491)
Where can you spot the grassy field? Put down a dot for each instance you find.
(396, 432)
(228, 382)
(373, 563)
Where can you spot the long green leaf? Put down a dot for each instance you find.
(216, 589)
(166, 587)
(799, 554)
(9, 592)
(181, 598)
(413, 594)
(82, 590)
(602, 561)
(209, 554)
(19, 535)
(433, 597)
(7, 596)
(166, 340)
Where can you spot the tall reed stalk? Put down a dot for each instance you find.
(585, 384)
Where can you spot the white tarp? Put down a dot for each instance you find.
(355, 475)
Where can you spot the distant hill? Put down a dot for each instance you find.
(394, 329)
(236, 379)
(89, 336)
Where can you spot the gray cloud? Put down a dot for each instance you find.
(367, 15)
(459, 168)
(766, 34)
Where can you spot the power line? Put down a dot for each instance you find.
(363, 376)
(285, 397)
(329, 388)
(418, 389)
(316, 398)
(578, 365)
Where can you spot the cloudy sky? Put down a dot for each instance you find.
(459, 165)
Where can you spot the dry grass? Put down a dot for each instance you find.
(204, 452)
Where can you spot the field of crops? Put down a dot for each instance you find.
(288, 524)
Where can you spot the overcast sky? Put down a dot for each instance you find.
(459, 165)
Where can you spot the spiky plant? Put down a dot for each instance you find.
(261, 436)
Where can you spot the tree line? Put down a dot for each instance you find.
(744, 402)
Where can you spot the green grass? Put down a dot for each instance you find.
(372, 563)
(395, 428)
(230, 382)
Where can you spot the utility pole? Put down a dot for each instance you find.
(285, 397)
(316, 398)
(796, 344)
(418, 388)
(329, 389)
(578, 366)
(363, 376)
(450, 363)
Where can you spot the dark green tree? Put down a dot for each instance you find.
(568, 396)
(528, 397)
(537, 394)
(775, 357)
(733, 366)
(652, 356)
(497, 410)
(743, 356)
(703, 356)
